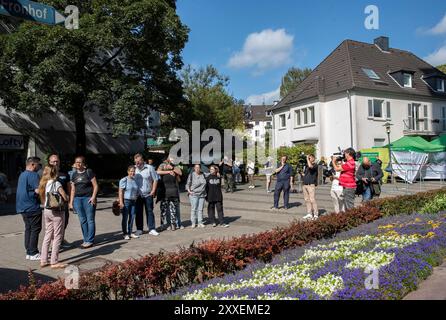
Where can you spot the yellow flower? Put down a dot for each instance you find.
(430, 235)
(389, 226)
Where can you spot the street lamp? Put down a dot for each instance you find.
(387, 125)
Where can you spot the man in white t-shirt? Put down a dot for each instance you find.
(336, 192)
(147, 180)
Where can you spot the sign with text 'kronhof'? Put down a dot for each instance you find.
(30, 10)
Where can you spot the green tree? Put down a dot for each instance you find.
(292, 79)
(442, 68)
(121, 61)
(208, 100)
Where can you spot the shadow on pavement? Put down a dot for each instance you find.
(12, 279)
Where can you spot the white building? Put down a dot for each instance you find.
(257, 120)
(359, 87)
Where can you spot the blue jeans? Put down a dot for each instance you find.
(146, 203)
(282, 185)
(128, 216)
(196, 209)
(367, 194)
(86, 213)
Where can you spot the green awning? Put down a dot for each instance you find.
(440, 142)
(416, 144)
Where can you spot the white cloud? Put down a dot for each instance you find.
(268, 97)
(264, 50)
(438, 57)
(440, 28)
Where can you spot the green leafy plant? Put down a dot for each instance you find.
(437, 204)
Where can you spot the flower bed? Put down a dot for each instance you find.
(400, 250)
(164, 272)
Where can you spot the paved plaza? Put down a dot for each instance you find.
(246, 210)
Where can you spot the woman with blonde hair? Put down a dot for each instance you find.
(54, 217)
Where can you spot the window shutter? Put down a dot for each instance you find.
(388, 110)
(371, 108)
(409, 110)
(426, 123)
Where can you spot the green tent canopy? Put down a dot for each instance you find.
(415, 144)
(440, 142)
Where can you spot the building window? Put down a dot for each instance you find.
(417, 117)
(257, 133)
(379, 142)
(371, 74)
(305, 114)
(257, 123)
(297, 118)
(268, 124)
(376, 108)
(407, 80)
(282, 121)
(312, 118)
(443, 118)
(388, 113)
(440, 85)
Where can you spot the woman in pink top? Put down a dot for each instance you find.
(347, 179)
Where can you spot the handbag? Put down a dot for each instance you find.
(376, 188)
(55, 200)
(115, 208)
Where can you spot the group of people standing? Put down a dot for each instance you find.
(144, 186)
(348, 180)
(50, 190)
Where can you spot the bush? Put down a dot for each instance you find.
(406, 204)
(437, 204)
(164, 272)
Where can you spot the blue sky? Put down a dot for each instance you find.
(255, 42)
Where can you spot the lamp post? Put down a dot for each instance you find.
(389, 169)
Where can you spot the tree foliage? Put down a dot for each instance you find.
(208, 101)
(442, 68)
(292, 79)
(121, 61)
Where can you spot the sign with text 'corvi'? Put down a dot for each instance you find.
(30, 10)
(8, 142)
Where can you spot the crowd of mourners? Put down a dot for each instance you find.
(48, 194)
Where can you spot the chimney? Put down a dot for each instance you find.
(382, 43)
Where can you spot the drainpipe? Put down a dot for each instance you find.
(351, 117)
(273, 132)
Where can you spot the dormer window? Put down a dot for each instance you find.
(371, 74)
(407, 80)
(440, 85)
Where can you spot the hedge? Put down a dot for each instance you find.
(166, 271)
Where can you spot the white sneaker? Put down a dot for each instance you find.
(202, 225)
(134, 236)
(126, 237)
(308, 216)
(153, 232)
(193, 226)
(35, 257)
(27, 257)
(138, 232)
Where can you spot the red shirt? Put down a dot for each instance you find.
(347, 178)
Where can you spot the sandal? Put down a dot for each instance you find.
(58, 266)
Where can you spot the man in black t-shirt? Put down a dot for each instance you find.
(64, 180)
(309, 187)
(227, 166)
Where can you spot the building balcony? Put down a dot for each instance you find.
(422, 127)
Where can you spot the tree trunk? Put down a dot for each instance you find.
(81, 137)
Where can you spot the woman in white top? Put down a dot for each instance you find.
(336, 192)
(54, 217)
(251, 170)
